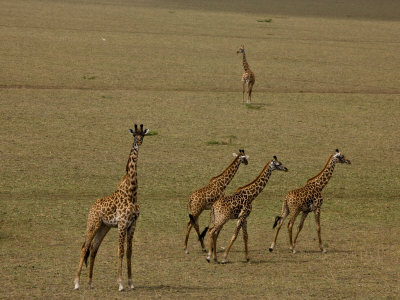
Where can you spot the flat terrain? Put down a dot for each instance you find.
(76, 75)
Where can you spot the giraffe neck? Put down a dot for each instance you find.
(253, 189)
(130, 187)
(227, 175)
(245, 64)
(322, 178)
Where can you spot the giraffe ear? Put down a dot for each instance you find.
(234, 154)
(146, 131)
(131, 131)
(337, 150)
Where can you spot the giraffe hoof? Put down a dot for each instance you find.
(294, 251)
(208, 259)
(187, 251)
(223, 262)
(323, 250)
(271, 249)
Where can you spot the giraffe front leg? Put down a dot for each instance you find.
(245, 239)
(290, 227)
(121, 241)
(303, 217)
(129, 239)
(235, 234)
(317, 214)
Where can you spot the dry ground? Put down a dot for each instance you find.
(75, 75)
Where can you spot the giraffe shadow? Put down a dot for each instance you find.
(172, 288)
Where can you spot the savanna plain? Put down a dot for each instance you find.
(76, 75)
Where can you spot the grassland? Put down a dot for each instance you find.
(76, 75)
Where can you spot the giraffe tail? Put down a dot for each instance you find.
(277, 218)
(192, 220)
(86, 258)
(203, 233)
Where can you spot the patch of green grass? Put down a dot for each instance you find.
(253, 106)
(265, 20)
(152, 132)
(213, 142)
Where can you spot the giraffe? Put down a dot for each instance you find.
(248, 78)
(120, 210)
(305, 200)
(238, 206)
(203, 198)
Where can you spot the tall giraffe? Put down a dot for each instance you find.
(203, 198)
(120, 210)
(248, 78)
(307, 199)
(238, 206)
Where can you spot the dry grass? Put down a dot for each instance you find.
(76, 75)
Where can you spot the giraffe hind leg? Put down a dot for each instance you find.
(92, 228)
(94, 247)
(278, 223)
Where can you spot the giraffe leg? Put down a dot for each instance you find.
(121, 240)
(300, 226)
(197, 228)
(91, 230)
(250, 89)
(247, 91)
(284, 214)
(243, 90)
(292, 219)
(94, 247)
(245, 239)
(235, 234)
(129, 238)
(188, 229)
(211, 232)
(317, 214)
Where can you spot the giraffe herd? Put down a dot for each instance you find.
(121, 210)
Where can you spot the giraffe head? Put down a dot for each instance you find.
(242, 156)
(138, 135)
(240, 50)
(275, 164)
(339, 157)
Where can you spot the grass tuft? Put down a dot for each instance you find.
(152, 132)
(265, 20)
(253, 106)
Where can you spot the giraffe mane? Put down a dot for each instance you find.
(329, 160)
(258, 177)
(215, 177)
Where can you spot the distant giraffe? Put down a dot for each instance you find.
(121, 210)
(238, 206)
(305, 200)
(248, 78)
(203, 198)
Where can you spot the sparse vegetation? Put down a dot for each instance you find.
(63, 145)
(265, 20)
